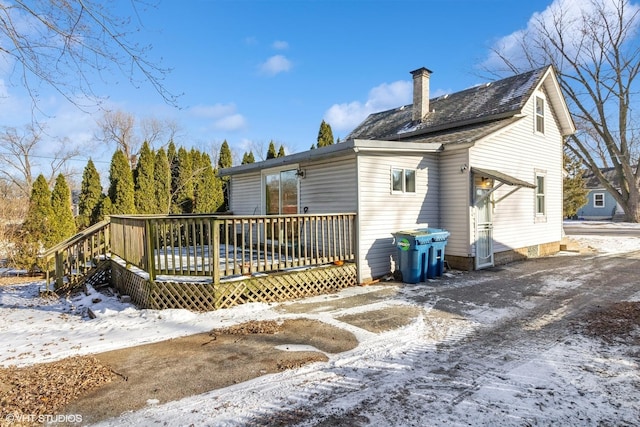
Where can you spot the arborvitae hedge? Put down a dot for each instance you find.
(145, 181)
(63, 224)
(162, 182)
(121, 189)
(89, 198)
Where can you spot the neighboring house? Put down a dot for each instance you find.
(600, 203)
(484, 163)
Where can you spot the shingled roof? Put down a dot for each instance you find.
(488, 106)
(610, 174)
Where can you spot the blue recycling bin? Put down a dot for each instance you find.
(421, 253)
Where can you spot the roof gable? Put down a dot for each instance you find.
(492, 101)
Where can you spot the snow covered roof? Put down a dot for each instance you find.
(488, 103)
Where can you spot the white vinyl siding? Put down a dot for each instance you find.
(520, 153)
(455, 200)
(329, 186)
(245, 198)
(382, 213)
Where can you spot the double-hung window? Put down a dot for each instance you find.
(403, 180)
(598, 200)
(539, 114)
(541, 193)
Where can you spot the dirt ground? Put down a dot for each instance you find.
(107, 384)
(129, 379)
(173, 369)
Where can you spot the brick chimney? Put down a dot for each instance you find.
(420, 93)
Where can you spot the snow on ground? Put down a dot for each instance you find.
(35, 330)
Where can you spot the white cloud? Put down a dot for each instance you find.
(230, 123)
(344, 117)
(221, 116)
(213, 111)
(570, 13)
(275, 65)
(280, 45)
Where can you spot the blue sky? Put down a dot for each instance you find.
(255, 71)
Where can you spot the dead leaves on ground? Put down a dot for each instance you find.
(617, 323)
(249, 328)
(45, 388)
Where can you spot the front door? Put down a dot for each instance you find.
(484, 228)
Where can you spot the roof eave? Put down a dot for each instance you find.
(550, 81)
(342, 148)
(328, 151)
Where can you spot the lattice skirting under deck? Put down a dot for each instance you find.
(206, 296)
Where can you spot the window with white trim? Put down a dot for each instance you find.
(598, 200)
(541, 189)
(539, 114)
(403, 180)
(280, 192)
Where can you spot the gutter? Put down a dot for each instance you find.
(342, 148)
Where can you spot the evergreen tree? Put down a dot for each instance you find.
(208, 188)
(183, 196)
(248, 158)
(574, 187)
(90, 195)
(145, 182)
(162, 182)
(121, 188)
(325, 135)
(63, 224)
(271, 152)
(281, 151)
(104, 208)
(36, 229)
(225, 159)
(174, 168)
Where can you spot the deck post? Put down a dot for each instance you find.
(215, 268)
(59, 270)
(148, 249)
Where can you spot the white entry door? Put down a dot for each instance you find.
(484, 229)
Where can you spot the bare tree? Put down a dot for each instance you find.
(20, 155)
(17, 149)
(66, 44)
(159, 132)
(123, 130)
(595, 49)
(117, 127)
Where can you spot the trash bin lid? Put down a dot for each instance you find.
(424, 236)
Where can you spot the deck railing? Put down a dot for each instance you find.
(223, 246)
(76, 256)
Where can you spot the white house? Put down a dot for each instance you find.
(484, 164)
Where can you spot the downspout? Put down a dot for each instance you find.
(357, 227)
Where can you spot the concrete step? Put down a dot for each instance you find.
(569, 245)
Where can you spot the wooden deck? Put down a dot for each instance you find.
(205, 262)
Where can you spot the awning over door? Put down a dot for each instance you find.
(504, 179)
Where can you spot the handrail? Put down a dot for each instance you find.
(220, 246)
(215, 246)
(77, 256)
(76, 238)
